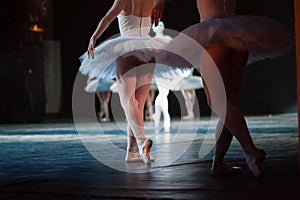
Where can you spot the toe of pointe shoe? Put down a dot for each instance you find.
(146, 159)
(144, 151)
(235, 170)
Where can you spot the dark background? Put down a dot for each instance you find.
(269, 87)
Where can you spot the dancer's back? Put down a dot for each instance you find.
(141, 8)
(135, 20)
(216, 8)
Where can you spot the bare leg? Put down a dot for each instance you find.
(234, 121)
(232, 118)
(101, 113)
(104, 98)
(149, 108)
(232, 82)
(189, 97)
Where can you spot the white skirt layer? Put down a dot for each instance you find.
(99, 85)
(103, 65)
(261, 36)
(188, 83)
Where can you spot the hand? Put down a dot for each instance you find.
(91, 47)
(157, 11)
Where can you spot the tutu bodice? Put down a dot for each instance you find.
(134, 26)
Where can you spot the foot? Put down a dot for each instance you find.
(144, 151)
(105, 119)
(135, 157)
(255, 160)
(224, 169)
(188, 117)
(167, 129)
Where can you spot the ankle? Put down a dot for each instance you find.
(248, 149)
(217, 163)
(140, 141)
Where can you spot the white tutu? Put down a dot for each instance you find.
(104, 63)
(99, 85)
(188, 83)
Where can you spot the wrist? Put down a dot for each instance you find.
(94, 38)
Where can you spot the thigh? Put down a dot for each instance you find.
(144, 81)
(188, 94)
(230, 65)
(125, 66)
(238, 61)
(126, 77)
(214, 70)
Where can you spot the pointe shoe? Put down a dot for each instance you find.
(225, 170)
(254, 161)
(132, 157)
(144, 151)
(105, 119)
(188, 117)
(167, 129)
(167, 124)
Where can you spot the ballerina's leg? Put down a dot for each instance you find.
(133, 85)
(234, 121)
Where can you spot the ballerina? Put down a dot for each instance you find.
(187, 86)
(186, 83)
(163, 86)
(149, 107)
(102, 89)
(232, 42)
(127, 58)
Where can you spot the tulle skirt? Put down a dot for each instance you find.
(188, 83)
(103, 65)
(99, 85)
(261, 36)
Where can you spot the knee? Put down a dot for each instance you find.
(127, 102)
(233, 99)
(218, 106)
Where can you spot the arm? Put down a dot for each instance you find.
(116, 8)
(157, 11)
